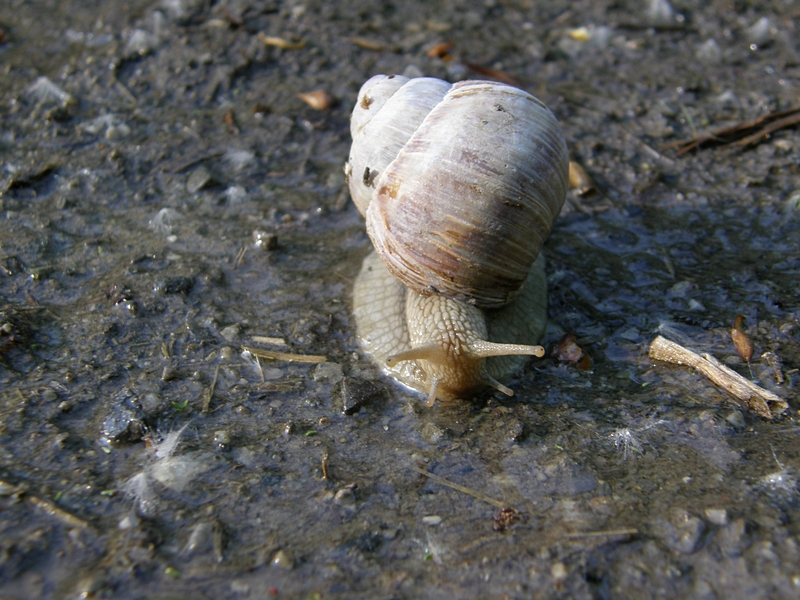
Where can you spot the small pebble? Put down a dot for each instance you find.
(695, 305)
(432, 520)
(345, 497)
(558, 572)
(328, 371)
(265, 240)
(169, 373)
(709, 53)
(271, 373)
(231, 332)
(760, 32)
(222, 439)
(200, 179)
(150, 402)
(736, 419)
(717, 516)
(175, 285)
(431, 433)
(201, 539)
(282, 560)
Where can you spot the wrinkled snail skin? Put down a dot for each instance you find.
(460, 185)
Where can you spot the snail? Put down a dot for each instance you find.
(460, 185)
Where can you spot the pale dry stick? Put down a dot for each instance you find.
(64, 516)
(460, 488)
(262, 339)
(239, 257)
(764, 402)
(273, 355)
(49, 507)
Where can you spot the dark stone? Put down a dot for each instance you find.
(175, 285)
(357, 393)
(123, 425)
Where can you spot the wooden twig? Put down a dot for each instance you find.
(742, 134)
(763, 402)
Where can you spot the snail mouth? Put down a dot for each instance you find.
(457, 377)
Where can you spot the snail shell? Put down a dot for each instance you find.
(460, 184)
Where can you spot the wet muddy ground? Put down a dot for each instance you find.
(167, 199)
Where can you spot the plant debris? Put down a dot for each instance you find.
(273, 355)
(493, 73)
(280, 42)
(442, 51)
(318, 99)
(743, 344)
(461, 488)
(746, 133)
(366, 44)
(763, 402)
(579, 179)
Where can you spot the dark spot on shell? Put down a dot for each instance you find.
(369, 177)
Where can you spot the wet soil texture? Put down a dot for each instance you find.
(167, 199)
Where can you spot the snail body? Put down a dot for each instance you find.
(460, 186)
(433, 344)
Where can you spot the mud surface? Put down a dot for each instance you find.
(152, 153)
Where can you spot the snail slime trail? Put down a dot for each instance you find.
(460, 186)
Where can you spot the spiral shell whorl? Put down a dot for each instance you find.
(465, 207)
(388, 111)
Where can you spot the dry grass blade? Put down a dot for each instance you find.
(460, 488)
(763, 402)
(273, 355)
